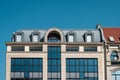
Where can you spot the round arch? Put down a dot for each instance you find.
(54, 30)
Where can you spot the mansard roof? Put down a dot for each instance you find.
(79, 34)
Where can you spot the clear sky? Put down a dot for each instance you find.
(63, 14)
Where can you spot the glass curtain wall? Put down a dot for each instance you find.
(26, 69)
(54, 63)
(81, 69)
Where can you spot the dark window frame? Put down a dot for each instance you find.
(35, 33)
(74, 36)
(89, 33)
(18, 33)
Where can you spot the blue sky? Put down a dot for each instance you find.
(63, 14)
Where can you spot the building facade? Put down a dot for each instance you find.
(56, 54)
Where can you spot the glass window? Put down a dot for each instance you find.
(29, 68)
(35, 38)
(116, 75)
(17, 48)
(114, 56)
(75, 48)
(35, 48)
(71, 38)
(81, 69)
(18, 38)
(90, 49)
(89, 38)
(54, 63)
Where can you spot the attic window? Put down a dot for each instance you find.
(89, 38)
(111, 39)
(35, 38)
(18, 38)
(71, 37)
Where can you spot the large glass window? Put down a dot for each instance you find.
(114, 56)
(26, 69)
(116, 75)
(54, 62)
(81, 69)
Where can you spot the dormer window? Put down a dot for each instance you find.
(89, 37)
(71, 37)
(35, 36)
(18, 38)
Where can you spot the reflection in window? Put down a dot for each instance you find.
(116, 75)
(81, 69)
(26, 68)
(54, 63)
(114, 56)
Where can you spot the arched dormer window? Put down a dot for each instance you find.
(114, 56)
(54, 36)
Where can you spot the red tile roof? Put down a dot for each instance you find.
(114, 32)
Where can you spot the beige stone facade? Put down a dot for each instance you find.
(64, 54)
